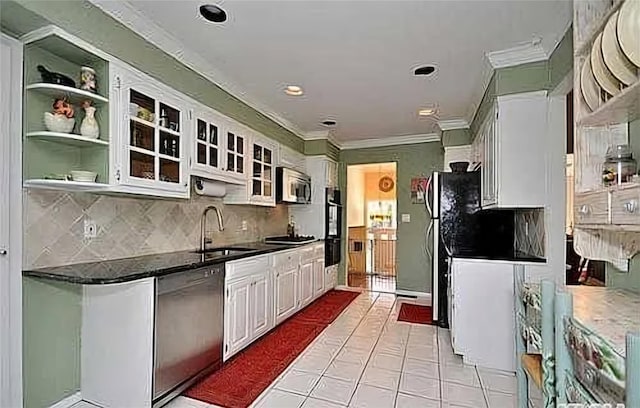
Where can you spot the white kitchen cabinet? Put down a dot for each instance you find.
(259, 186)
(331, 171)
(261, 305)
(318, 277)
(513, 166)
(292, 159)
(306, 283)
(330, 277)
(151, 124)
(286, 293)
(237, 315)
(481, 312)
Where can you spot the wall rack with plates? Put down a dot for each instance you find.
(606, 99)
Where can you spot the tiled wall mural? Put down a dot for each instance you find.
(126, 227)
(533, 242)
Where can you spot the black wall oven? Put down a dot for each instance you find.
(333, 227)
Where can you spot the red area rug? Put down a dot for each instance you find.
(415, 314)
(243, 378)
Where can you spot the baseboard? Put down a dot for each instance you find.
(424, 296)
(349, 288)
(68, 401)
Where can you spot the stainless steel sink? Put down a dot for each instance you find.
(225, 251)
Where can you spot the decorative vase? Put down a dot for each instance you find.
(89, 127)
(88, 79)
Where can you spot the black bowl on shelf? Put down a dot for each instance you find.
(55, 77)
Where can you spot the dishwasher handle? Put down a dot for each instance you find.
(182, 280)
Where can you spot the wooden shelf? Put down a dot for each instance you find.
(610, 227)
(532, 364)
(596, 27)
(167, 157)
(169, 131)
(624, 186)
(75, 95)
(65, 185)
(624, 107)
(142, 121)
(67, 139)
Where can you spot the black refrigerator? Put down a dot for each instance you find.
(459, 227)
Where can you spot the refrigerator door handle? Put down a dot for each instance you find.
(426, 196)
(428, 239)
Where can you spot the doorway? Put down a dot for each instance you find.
(372, 213)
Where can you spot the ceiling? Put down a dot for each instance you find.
(355, 59)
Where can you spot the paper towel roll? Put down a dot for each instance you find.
(210, 188)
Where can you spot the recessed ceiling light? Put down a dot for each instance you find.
(293, 90)
(329, 123)
(425, 70)
(213, 13)
(427, 111)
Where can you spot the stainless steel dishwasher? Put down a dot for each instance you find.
(189, 326)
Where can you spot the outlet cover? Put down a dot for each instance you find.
(90, 229)
(406, 217)
(244, 225)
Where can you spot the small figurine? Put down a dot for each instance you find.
(62, 107)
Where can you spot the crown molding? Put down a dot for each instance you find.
(452, 124)
(131, 17)
(390, 141)
(531, 51)
(316, 135)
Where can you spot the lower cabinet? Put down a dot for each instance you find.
(286, 293)
(306, 283)
(261, 295)
(318, 277)
(330, 277)
(236, 310)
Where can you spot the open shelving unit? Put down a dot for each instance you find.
(48, 157)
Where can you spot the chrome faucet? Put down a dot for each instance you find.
(203, 226)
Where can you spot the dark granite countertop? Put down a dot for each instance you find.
(128, 269)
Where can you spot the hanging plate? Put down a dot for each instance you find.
(629, 29)
(603, 76)
(614, 58)
(386, 184)
(590, 89)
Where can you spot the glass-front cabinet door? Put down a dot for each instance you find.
(153, 139)
(208, 159)
(236, 151)
(261, 187)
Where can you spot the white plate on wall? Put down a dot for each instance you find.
(589, 87)
(614, 58)
(603, 76)
(629, 30)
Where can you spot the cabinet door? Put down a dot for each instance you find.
(236, 143)
(207, 144)
(260, 305)
(262, 172)
(237, 319)
(286, 293)
(318, 277)
(152, 140)
(489, 165)
(306, 283)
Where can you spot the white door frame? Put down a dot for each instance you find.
(11, 204)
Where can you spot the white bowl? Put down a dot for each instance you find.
(133, 109)
(84, 176)
(58, 123)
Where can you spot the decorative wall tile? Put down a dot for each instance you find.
(126, 227)
(530, 239)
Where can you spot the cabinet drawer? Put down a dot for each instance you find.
(287, 260)
(592, 208)
(625, 206)
(318, 251)
(248, 266)
(306, 254)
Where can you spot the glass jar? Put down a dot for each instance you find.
(619, 166)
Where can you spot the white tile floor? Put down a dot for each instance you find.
(367, 359)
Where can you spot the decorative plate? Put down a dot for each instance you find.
(386, 184)
(628, 29)
(614, 58)
(590, 89)
(603, 76)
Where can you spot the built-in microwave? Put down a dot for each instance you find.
(292, 187)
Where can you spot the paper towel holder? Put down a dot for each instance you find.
(209, 188)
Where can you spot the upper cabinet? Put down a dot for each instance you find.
(331, 171)
(259, 188)
(513, 162)
(152, 150)
(207, 159)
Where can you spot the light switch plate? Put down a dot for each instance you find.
(406, 217)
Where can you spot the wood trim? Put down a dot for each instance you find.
(532, 364)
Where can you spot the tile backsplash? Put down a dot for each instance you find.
(126, 227)
(530, 236)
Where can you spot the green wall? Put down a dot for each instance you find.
(631, 279)
(321, 147)
(91, 24)
(414, 160)
(52, 316)
(456, 137)
(533, 76)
